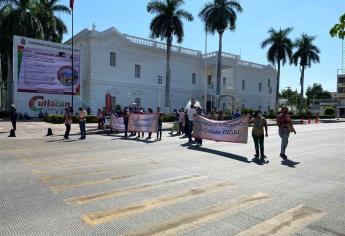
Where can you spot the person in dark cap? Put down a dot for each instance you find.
(13, 116)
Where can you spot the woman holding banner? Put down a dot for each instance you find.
(259, 123)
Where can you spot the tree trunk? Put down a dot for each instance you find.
(168, 76)
(9, 82)
(278, 87)
(301, 100)
(219, 68)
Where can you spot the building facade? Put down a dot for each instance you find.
(341, 94)
(132, 70)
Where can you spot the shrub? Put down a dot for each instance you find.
(329, 111)
(247, 110)
(4, 114)
(168, 118)
(59, 119)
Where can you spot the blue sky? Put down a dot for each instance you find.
(314, 17)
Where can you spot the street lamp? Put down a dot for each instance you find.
(160, 82)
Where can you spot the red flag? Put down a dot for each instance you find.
(71, 3)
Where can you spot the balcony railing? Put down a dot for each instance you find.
(155, 44)
(251, 64)
(224, 54)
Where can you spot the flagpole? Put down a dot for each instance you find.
(72, 59)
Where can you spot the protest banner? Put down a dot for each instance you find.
(143, 122)
(117, 123)
(235, 131)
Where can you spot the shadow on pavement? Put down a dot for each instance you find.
(290, 163)
(259, 161)
(134, 138)
(219, 153)
(62, 141)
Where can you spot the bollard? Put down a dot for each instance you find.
(309, 120)
(50, 132)
(12, 133)
(302, 121)
(316, 120)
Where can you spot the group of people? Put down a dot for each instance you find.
(183, 124)
(68, 121)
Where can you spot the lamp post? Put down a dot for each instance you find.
(160, 82)
(210, 86)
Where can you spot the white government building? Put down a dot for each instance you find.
(132, 70)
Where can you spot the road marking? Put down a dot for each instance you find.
(44, 171)
(97, 171)
(64, 187)
(95, 218)
(287, 223)
(134, 189)
(206, 215)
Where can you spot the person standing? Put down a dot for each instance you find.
(150, 111)
(82, 123)
(181, 121)
(259, 123)
(190, 114)
(13, 116)
(200, 113)
(236, 115)
(125, 115)
(160, 123)
(285, 128)
(100, 119)
(68, 122)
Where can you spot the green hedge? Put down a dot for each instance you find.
(168, 118)
(59, 119)
(4, 114)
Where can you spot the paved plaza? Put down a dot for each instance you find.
(107, 185)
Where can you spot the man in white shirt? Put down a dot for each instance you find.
(191, 113)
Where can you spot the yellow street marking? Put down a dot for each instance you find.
(37, 171)
(206, 215)
(134, 189)
(287, 223)
(97, 171)
(59, 188)
(95, 218)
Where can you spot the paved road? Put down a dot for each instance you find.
(106, 185)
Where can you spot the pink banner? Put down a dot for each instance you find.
(143, 122)
(117, 123)
(235, 131)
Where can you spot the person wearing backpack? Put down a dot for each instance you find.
(13, 116)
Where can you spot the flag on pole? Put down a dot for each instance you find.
(71, 3)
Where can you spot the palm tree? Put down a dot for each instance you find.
(166, 24)
(338, 30)
(218, 16)
(53, 27)
(21, 20)
(306, 54)
(279, 52)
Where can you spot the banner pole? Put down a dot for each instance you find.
(72, 60)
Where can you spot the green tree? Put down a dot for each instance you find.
(28, 18)
(317, 92)
(166, 24)
(291, 95)
(218, 16)
(279, 51)
(53, 27)
(338, 30)
(21, 20)
(306, 54)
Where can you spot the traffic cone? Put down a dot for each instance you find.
(12, 133)
(50, 132)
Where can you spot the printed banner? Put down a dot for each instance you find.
(143, 122)
(235, 131)
(47, 71)
(117, 123)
